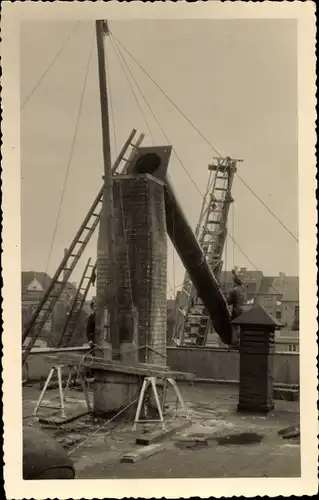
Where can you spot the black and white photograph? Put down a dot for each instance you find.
(161, 250)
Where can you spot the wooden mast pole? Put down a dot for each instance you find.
(106, 301)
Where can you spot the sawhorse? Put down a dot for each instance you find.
(62, 395)
(151, 381)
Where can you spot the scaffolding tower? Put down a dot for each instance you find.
(193, 324)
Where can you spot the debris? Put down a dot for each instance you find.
(286, 430)
(191, 442)
(70, 440)
(140, 453)
(153, 437)
(58, 420)
(238, 439)
(295, 432)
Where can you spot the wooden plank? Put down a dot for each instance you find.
(141, 453)
(160, 434)
(100, 364)
(58, 420)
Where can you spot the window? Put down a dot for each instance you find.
(292, 348)
(278, 315)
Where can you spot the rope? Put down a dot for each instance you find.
(226, 250)
(122, 63)
(267, 208)
(166, 95)
(202, 136)
(157, 121)
(71, 154)
(119, 56)
(126, 247)
(50, 65)
(255, 267)
(102, 426)
(173, 252)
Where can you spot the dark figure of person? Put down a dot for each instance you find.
(90, 326)
(236, 300)
(90, 334)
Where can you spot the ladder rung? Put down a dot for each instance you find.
(95, 214)
(80, 242)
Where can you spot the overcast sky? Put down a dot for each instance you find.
(236, 80)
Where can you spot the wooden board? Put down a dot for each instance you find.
(141, 453)
(113, 366)
(58, 420)
(159, 435)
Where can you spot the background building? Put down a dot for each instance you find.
(33, 286)
(279, 295)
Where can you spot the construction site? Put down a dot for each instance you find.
(132, 403)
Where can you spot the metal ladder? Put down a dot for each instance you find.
(194, 323)
(76, 306)
(73, 254)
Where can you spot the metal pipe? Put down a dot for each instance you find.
(193, 258)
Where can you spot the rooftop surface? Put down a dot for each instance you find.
(214, 424)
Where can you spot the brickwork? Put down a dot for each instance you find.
(257, 348)
(140, 201)
(102, 281)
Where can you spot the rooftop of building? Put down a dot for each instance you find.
(285, 286)
(219, 442)
(245, 274)
(44, 280)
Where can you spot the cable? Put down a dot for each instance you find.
(173, 252)
(202, 136)
(267, 208)
(242, 251)
(71, 153)
(121, 58)
(102, 426)
(119, 55)
(254, 266)
(226, 251)
(116, 41)
(50, 65)
(167, 96)
(157, 121)
(126, 246)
